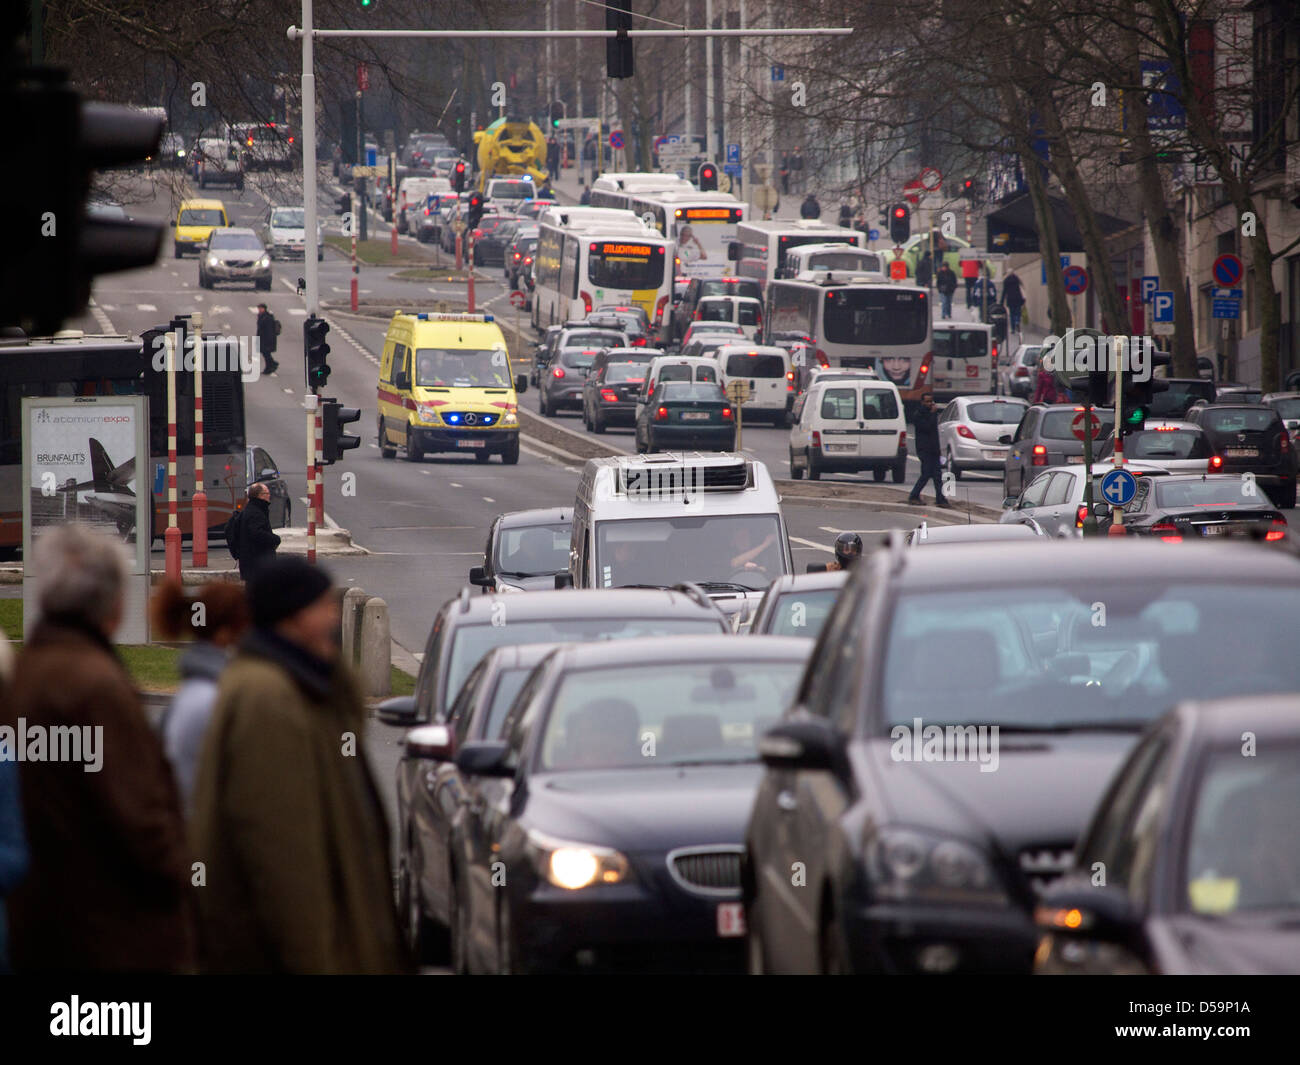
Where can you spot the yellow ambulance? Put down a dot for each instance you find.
(445, 385)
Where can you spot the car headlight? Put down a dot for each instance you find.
(510, 418)
(428, 413)
(916, 866)
(574, 866)
(213, 261)
(264, 261)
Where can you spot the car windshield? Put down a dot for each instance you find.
(755, 364)
(533, 550)
(1164, 444)
(291, 218)
(1243, 853)
(1219, 491)
(995, 413)
(201, 216)
(472, 642)
(742, 549)
(691, 392)
(234, 242)
(695, 712)
(1034, 656)
(462, 368)
(1059, 424)
(624, 372)
(802, 613)
(1238, 420)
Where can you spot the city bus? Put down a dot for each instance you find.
(72, 364)
(594, 260)
(760, 247)
(702, 225)
(859, 323)
(616, 190)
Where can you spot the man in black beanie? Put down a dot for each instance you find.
(288, 820)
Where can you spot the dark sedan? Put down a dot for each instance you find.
(1200, 850)
(560, 387)
(960, 717)
(1182, 506)
(686, 414)
(261, 468)
(603, 831)
(609, 395)
(525, 550)
(491, 238)
(1251, 439)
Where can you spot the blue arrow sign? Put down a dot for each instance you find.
(1162, 306)
(873, 234)
(1149, 286)
(1119, 487)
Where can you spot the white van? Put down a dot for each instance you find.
(712, 519)
(744, 311)
(411, 194)
(964, 360)
(846, 425)
(771, 380)
(675, 368)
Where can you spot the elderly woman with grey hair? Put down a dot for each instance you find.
(106, 890)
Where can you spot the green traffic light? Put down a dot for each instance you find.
(1136, 416)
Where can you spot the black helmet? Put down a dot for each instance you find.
(848, 548)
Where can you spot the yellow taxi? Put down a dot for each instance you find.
(195, 220)
(445, 385)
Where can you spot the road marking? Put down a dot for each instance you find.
(488, 499)
(426, 473)
(350, 339)
(809, 543)
(101, 319)
(298, 310)
(375, 446)
(219, 310)
(456, 484)
(145, 307)
(288, 391)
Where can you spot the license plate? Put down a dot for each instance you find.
(1214, 530)
(1075, 458)
(471, 443)
(1242, 452)
(837, 447)
(731, 919)
(998, 454)
(695, 416)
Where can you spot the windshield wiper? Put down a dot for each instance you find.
(725, 586)
(545, 573)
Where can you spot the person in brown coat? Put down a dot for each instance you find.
(288, 821)
(107, 887)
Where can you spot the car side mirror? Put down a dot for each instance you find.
(268, 473)
(1005, 438)
(1106, 913)
(399, 710)
(1101, 510)
(521, 382)
(564, 580)
(1009, 502)
(429, 741)
(733, 251)
(484, 758)
(478, 576)
(173, 223)
(809, 743)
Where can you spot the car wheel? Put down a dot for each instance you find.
(414, 452)
(543, 406)
(640, 447)
(177, 253)
(900, 470)
(510, 456)
(507, 953)
(421, 934)
(796, 474)
(814, 470)
(952, 465)
(385, 449)
(597, 424)
(482, 456)
(1288, 496)
(878, 474)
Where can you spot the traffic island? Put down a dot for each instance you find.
(380, 252)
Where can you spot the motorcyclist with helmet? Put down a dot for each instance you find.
(848, 549)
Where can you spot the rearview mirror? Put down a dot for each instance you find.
(521, 382)
(1009, 502)
(478, 576)
(733, 251)
(399, 710)
(484, 758)
(1101, 510)
(803, 744)
(1105, 913)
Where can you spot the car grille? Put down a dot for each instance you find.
(706, 870)
(470, 417)
(241, 263)
(1042, 865)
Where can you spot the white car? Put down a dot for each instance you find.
(971, 429)
(285, 234)
(767, 371)
(698, 329)
(844, 426)
(743, 311)
(674, 368)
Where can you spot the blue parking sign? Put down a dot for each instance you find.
(1162, 306)
(1149, 286)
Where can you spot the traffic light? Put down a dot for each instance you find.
(458, 175)
(900, 223)
(316, 352)
(58, 141)
(557, 113)
(334, 441)
(474, 211)
(1138, 395)
(968, 188)
(366, 5)
(707, 178)
(1096, 384)
(618, 50)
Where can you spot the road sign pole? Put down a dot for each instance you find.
(199, 501)
(469, 288)
(1089, 518)
(172, 537)
(1117, 512)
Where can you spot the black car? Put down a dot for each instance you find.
(519, 257)
(631, 320)
(431, 793)
(609, 395)
(686, 414)
(490, 240)
(1251, 439)
(1175, 401)
(1201, 854)
(797, 604)
(603, 831)
(1190, 506)
(525, 550)
(1039, 665)
(261, 468)
(467, 627)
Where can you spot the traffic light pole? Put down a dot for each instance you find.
(199, 501)
(172, 537)
(355, 276)
(313, 454)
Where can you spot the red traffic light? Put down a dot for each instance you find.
(460, 168)
(900, 212)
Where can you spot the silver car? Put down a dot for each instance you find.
(1016, 375)
(1054, 498)
(285, 233)
(971, 429)
(235, 254)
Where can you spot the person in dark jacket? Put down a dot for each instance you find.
(553, 158)
(13, 840)
(257, 543)
(287, 813)
(1013, 297)
(925, 270)
(925, 430)
(946, 283)
(108, 887)
(267, 330)
(810, 207)
(584, 199)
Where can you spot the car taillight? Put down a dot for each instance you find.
(660, 307)
(1080, 516)
(477, 234)
(822, 360)
(995, 353)
(902, 440)
(1215, 464)
(1167, 531)
(639, 342)
(789, 378)
(1040, 455)
(1277, 529)
(697, 315)
(609, 395)
(516, 256)
(726, 412)
(558, 372)
(586, 301)
(1021, 371)
(1285, 440)
(816, 439)
(661, 414)
(925, 365)
(963, 430)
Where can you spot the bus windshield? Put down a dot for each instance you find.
(879, 316)
(461, 368)
(626, 265)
